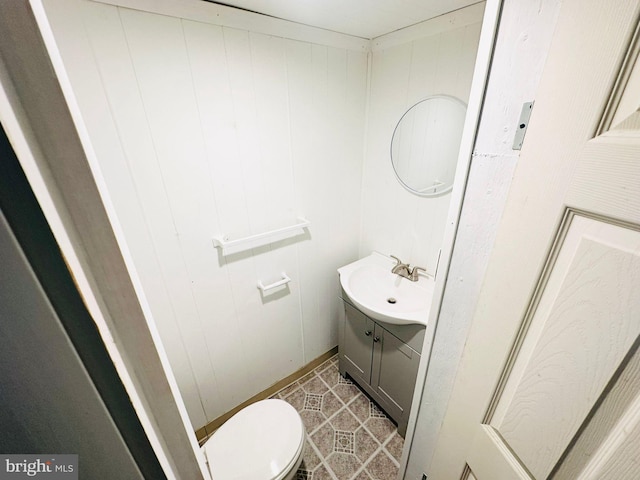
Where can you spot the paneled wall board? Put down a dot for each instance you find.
(326, 174)
(428, 28)
(157, 54)
(135, 216)
(203, 130)
(206, 130)
(524, 36)
(396, 221)
(222, 15)
(219, 147)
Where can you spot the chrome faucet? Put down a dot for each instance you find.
(400, 268)
(404, 270)
(413, 276)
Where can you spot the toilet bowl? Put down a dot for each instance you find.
(263, 441)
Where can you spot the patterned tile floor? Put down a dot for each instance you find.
(348, 436)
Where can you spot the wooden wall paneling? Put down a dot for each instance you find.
(157, 49)
(347, 168)
(471, 37)
(244, 269)
(317, 169)
(212, 289)
(381, 215)
(341, 89)
(336, 135)
(423, 71)
(218, 14)
(269, 74)
(329, 242)
(402, 203)
(456, 48)
(223, 131)
(238, 50)
(450, 55)
(347, 171)
(120, 85)
(106, 41)
(453, 74)
(430, 28)
(371, 180)
(95, 250)
(403, 74)
(299, 60)
(426, 237)
(321, 140)
(378, 173)
(352, 167)
(281, 325)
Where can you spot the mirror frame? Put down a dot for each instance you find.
(455, 159)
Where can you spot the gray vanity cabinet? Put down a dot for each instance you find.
(357, 347)
(383, 359)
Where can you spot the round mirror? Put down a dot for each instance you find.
(425, 144)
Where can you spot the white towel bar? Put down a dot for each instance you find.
(271, 286)
(246, 243)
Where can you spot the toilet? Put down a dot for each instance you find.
(263, 441)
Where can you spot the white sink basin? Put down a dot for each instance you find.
(385, 296)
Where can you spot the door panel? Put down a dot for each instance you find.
(491, 458)
(592, 453)
(585, 324)
(607, 178)
(623, 461)
(547, 387)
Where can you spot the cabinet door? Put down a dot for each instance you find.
(395, 367)
(357, 349)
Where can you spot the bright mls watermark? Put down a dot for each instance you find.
(51, 467)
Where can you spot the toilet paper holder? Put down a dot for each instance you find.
(264, 288)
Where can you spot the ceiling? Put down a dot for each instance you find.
(361, 18)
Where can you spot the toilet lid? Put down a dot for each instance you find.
(261, 441)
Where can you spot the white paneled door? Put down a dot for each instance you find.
(549, 384)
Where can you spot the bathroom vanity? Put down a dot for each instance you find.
(382, 331)
(383, 359)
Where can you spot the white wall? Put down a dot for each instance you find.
(204, 130)
(434, 57)
(524, 36)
